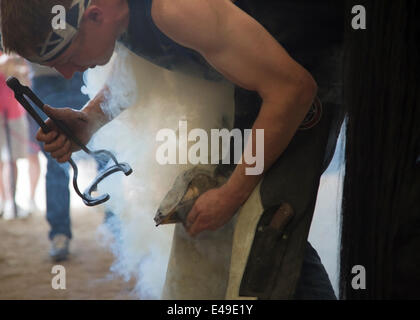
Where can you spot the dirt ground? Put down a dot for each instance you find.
(25, 267)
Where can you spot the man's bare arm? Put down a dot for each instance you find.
(94, 109)
(84, 124)
(244, 52)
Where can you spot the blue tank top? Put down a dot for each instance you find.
(147, 41)
(310, 30)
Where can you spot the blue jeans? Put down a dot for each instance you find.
(59, 93)
(314, 283)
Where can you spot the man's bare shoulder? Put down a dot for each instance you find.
(172, 12)
(189, 22)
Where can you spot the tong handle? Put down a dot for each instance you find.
(21, 91)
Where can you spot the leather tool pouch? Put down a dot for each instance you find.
(259, 271)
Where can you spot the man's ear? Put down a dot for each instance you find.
(94, 14)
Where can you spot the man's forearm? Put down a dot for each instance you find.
(94, 110)
(280, 121)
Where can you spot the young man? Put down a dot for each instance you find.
(53, 89)
(210, 39)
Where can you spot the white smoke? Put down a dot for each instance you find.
(158, 99)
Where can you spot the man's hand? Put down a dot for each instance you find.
(212, 210)
(57, 143)
(83, 124)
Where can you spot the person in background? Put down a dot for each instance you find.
(34, 165)
(13, 136)
(54, 90)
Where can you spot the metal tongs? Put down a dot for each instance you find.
(22, 93)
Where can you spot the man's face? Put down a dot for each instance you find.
(86, 51)
(93, 45)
